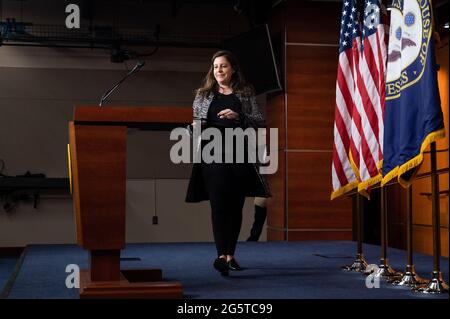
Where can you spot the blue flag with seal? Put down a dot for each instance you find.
(413, 117)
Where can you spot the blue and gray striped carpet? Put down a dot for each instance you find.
(273, 270)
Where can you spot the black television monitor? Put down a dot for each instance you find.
(256, 56)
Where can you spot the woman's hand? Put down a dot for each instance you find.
(228, 114)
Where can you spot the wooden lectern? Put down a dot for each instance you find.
(97, 140)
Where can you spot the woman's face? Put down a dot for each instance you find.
(222, 70)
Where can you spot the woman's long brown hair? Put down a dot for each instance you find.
(237, 83)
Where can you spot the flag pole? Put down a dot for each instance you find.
(410, 278)
(384, 270)
(360, 263)
(437, 284)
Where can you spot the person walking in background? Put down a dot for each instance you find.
(260, 205)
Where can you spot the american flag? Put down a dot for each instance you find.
(360, 93)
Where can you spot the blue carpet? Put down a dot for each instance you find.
(7, 265)
(274, 270)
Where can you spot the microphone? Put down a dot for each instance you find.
(136, 68)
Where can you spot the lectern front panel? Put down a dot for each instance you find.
(99, 178)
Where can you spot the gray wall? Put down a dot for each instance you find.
(38, 89)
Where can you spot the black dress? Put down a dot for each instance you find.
(225, 183)
(197, 190)
(222, 102)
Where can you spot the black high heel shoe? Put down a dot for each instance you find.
(221, 265)
(233, 265)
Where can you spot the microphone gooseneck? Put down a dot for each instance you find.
(136, 68)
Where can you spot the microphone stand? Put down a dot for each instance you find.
(137, 67)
